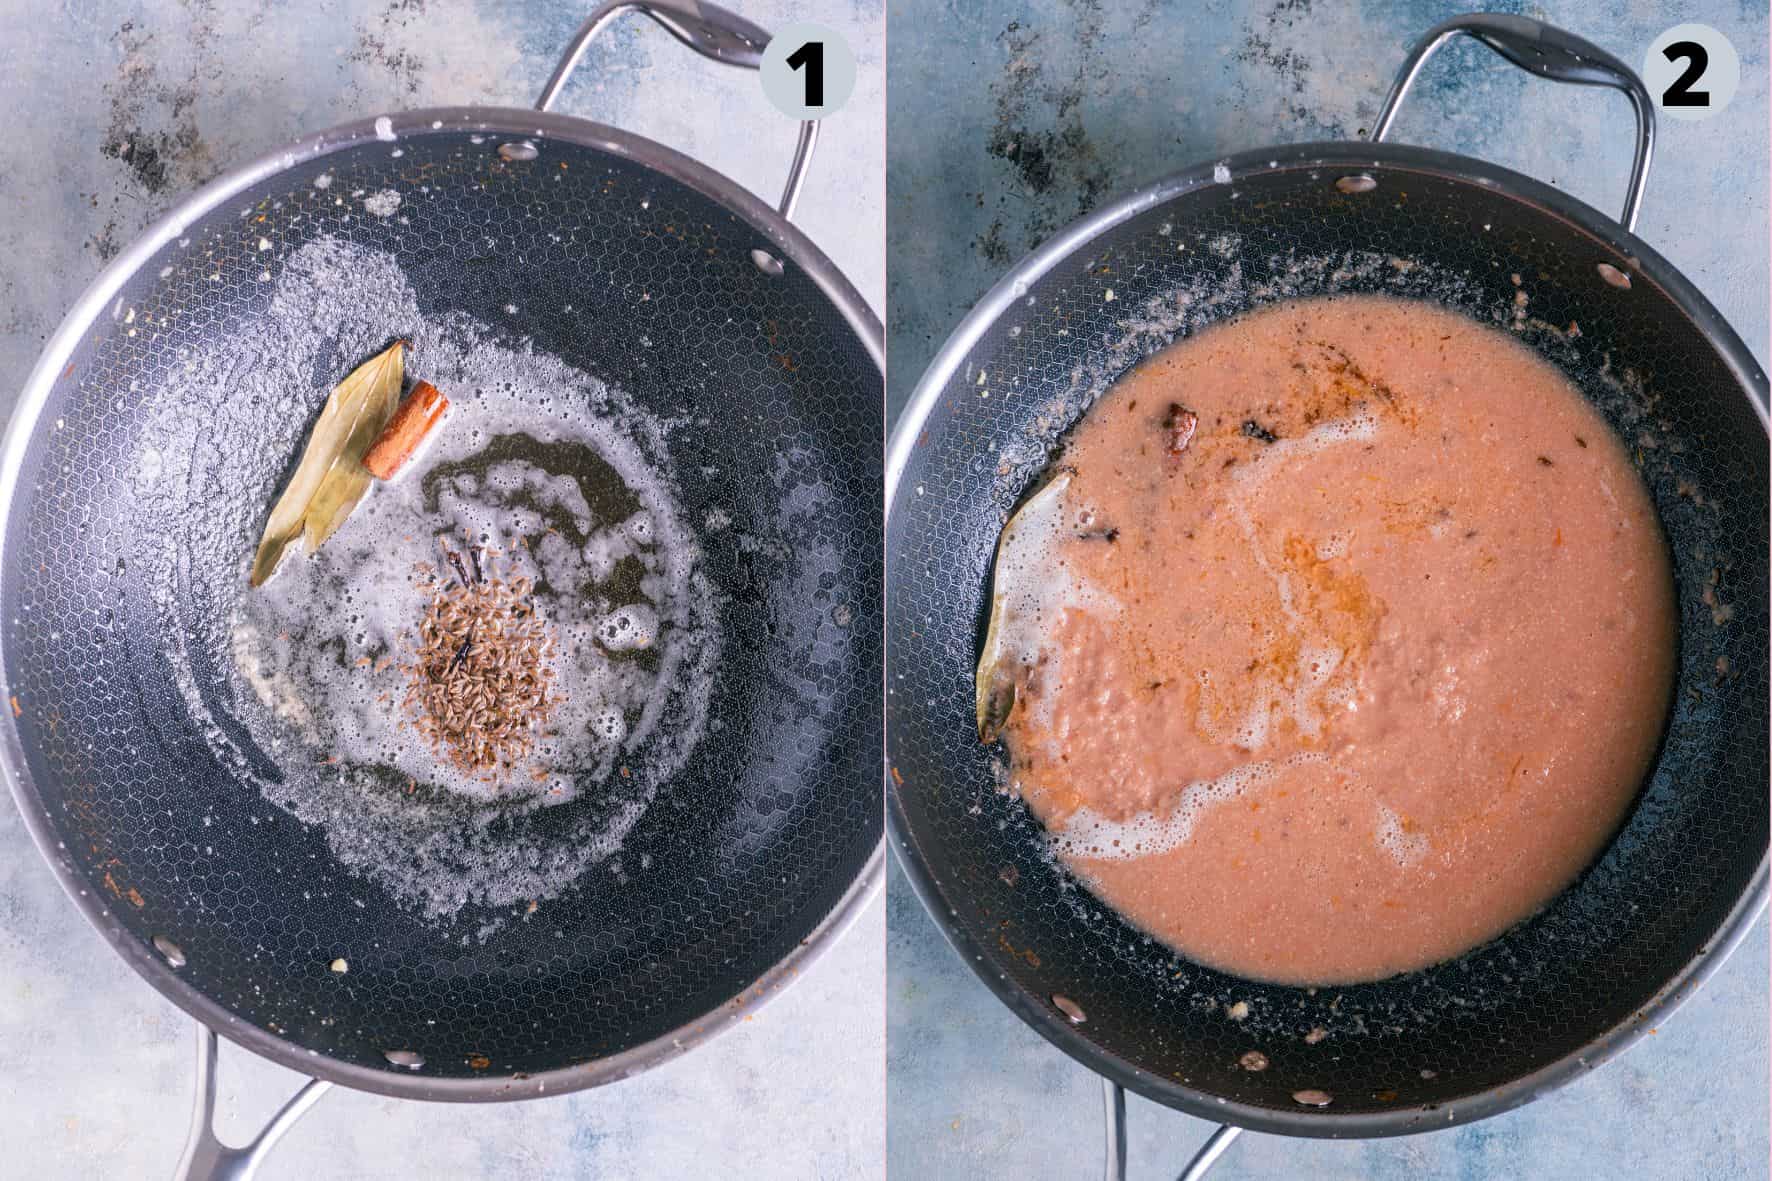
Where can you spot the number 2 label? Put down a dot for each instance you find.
(1691, 71)
(1680, 94)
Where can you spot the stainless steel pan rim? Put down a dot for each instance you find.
(497, 123)
(1333, 160)
(1291, 157)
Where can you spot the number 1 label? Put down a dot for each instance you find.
(808, 70)
(810, 58)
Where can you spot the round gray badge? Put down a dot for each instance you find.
(1691, 71)
(808, 70)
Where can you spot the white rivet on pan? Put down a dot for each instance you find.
(1313, 1098)
(404, 1058)
(1613, 275)
(1359, 182)
(766, 262)
(1069, 1008)
(520, 149)
(173, 953)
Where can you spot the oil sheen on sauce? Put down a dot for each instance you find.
(1364, 675)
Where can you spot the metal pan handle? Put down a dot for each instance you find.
(1550, 53)
(712, 32)
(1114, 1168)
(206, 1158)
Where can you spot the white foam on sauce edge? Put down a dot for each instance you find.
(1037, 586)
(1090, 836)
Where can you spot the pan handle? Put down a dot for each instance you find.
(1115, 1167)
(206, 1158)
(1550, 53)
(712, 32)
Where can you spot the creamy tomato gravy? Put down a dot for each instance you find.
(1365, 674)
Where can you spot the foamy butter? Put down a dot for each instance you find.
(326, 643)
(382, 203)
(563, 474)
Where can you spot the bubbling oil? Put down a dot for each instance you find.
(296, 687)
(328, 642)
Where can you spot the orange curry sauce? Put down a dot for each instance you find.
(1361, 671)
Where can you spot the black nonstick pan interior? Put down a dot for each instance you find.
(623, 273)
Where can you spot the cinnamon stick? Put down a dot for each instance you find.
(417, 416)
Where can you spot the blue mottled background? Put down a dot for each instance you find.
(114, 112)
(1007, 119)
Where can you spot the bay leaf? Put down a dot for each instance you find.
(999, 673)
(330, 479)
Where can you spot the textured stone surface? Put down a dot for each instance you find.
(1009, 120)
(121, 110)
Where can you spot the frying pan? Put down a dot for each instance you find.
(1687, 875)
(631, 263)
